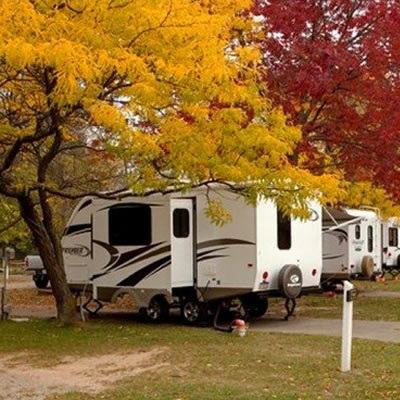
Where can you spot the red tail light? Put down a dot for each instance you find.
(314, 272)
(352, 266)
(390, 254)
(26, 262)
(265, 275)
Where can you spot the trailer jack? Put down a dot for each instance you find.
(217, 326)
(290, 305)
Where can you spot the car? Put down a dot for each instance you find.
(34, 264)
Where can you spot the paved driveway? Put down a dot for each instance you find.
(374, 330)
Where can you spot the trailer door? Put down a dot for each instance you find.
(182, 243)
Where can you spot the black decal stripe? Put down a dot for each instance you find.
(203, 256)
(129, 256)
(165, 249)
(78, 233)
(135, 278)
(210, 251)
(77, 228)
(211, 257)
(112, 251)
(85, 204)
(332, 257)
(340, 231)
(158, 269)
(221, 242)
(130, 205)
(118, 259)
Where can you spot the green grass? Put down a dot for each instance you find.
(206, 364)
(388, 286)
(364, 308)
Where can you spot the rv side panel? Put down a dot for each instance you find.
(76, 243)
(286, 240)
(226, 255)
(131, 246)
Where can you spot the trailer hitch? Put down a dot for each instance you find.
(217, 326)
(239, 316)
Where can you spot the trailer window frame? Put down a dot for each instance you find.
(370, 238)
(393, 237)
(358, 231)
(120, 220)
(284, 231)
(181, 223)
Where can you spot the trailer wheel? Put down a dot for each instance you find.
(398, 262)
(41, 281)
(393, 271)
(290, 281)
(193, 312)
(258, 307)
(158, 309)
(367, 267)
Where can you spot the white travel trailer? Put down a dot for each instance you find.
(352, 244)
(166, 252)
(391, 250)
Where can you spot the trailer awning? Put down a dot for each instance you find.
(337, 216)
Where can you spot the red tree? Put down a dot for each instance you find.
(334, 67)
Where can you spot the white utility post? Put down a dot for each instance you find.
(349, 294)
(4, 313)
(8, 254)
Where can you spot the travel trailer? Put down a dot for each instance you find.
(390, 244)
(166, 252)
(352, 244)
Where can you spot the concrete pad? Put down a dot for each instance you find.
(34, 312)
(19, 282)
(380, 293)
(383, 331)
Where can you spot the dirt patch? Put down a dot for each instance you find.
(19, 380)
(40, 304)
(31, 297)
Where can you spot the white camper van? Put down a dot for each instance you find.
(391, 250)
(352, 244)
(166, 252)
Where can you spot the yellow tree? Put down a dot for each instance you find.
(168, 88)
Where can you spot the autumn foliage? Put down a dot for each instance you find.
(167, 94)
(334, 67)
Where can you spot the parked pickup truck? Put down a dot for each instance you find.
(33, 264)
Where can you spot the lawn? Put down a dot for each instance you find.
(320, 306)
(389, 285)
(206, 364)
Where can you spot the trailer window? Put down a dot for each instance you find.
(129, 225)
(181, 222)
(393, 237)
(370, 239)
(358, 231)
(284, 231)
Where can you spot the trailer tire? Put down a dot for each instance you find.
(398, 262)
(257, 307)
(158, 309)
(193, 312)
(367, 267)
(41, 281)
(290, 281)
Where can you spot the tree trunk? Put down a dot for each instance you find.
(65, 301)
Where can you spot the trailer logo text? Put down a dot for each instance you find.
(314, 215)
(81, 251)
(294, 281)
